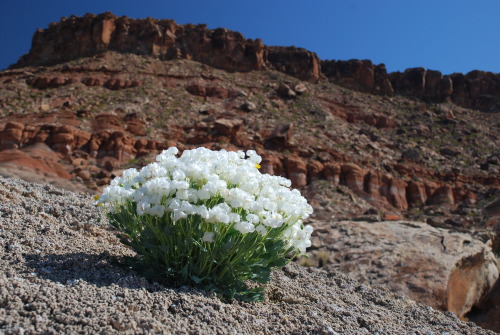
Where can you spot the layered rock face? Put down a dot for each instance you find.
(76, 37)
(359, 75)
(396, 187)
(476, 89)
(297, 62)
(90, 35)
(113, 141)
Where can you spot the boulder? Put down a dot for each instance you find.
(280, 136)
(300, 88)
(39, 159)
(488, 314)
(197, 89)
(228, 127)
(219, 92)
(442, 196)
(296, 170)
(444, 269)
(411, 155)
(248, 106)
(331, 171)
(352, 176)
(285, 92)
(12, 135)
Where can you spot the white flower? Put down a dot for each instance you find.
(174, 204)
(203, 194)
(274, 220)
(157, 210)
(252, 218)
(178, 175)
(208, 237)
(253, 157)
(233, 217)
(261, 229)
(202, 211)
(218, 186)
(178, 215)
(244, 227)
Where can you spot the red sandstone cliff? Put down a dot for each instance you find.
(476, 89)
(90, 35)
(77, 37)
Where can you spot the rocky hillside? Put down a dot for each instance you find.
(98, 94)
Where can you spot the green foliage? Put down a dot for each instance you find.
(175, 253)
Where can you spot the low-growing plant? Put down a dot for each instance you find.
(209, 218)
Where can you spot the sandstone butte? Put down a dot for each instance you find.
(97, 94)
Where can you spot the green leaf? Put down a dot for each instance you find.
(196, 279)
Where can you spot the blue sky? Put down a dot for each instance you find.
(445, 35)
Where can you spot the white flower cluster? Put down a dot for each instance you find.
(186, 185)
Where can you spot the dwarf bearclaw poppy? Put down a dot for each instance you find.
(209, 218)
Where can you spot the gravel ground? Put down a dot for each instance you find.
(58, 274)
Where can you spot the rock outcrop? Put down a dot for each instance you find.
(357, 74)
(76, 37)
(476, 89)
(444, 269)
(114, 136)
(90, 35)
(297, 62)
(38, 157)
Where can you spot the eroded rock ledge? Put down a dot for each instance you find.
(90, 35)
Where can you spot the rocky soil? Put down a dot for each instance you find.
(60, 274)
